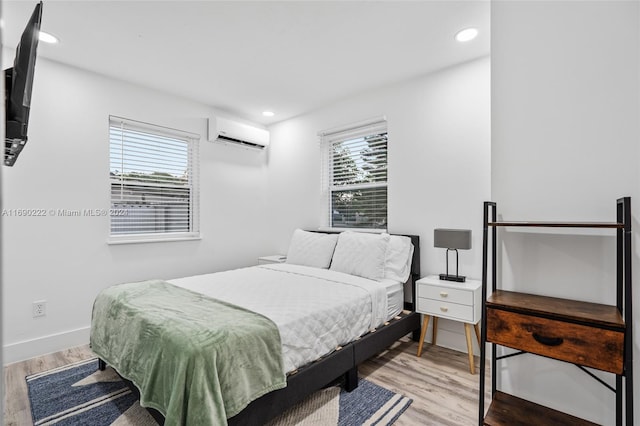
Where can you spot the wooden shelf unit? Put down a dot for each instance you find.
(583, 333)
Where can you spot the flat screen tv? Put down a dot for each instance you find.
(18, 82)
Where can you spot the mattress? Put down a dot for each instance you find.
(315, 310)
(395, 297)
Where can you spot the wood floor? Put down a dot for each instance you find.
(439, 382)
(442, 389)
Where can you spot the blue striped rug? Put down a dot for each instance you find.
(80, 394)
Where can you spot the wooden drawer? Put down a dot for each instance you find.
(442, 309)
(446, 294)
(580, 344)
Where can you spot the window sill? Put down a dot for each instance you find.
(138, 239)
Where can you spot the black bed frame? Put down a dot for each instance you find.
(342, 363)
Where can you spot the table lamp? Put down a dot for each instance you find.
(452, 240)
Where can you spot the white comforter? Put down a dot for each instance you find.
(315, 310)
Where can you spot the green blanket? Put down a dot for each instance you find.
(195, 359)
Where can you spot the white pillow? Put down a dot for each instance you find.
(311, 248)
(361, 254)
(397, 264)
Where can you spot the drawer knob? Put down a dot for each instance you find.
(444, 294)
(548, 341)
(444, 308)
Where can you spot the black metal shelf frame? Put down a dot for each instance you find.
(623, 302)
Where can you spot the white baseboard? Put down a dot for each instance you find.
(451, 335)
(19, 351)
(457, 341)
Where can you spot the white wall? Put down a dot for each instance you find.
(439, 164)
(565, 135)
(65, 165)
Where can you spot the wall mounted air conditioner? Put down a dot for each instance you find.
(234, 132)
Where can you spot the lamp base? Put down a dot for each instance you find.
(456, 278)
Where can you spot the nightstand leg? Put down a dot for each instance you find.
(476, 327)
(423, 332)
(467, 332)
(435, 331)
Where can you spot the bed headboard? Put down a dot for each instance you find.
(409, 286)
(415, 272)
(415, 261)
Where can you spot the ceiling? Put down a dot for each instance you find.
(290, 57)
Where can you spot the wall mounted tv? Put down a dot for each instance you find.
(18, 82)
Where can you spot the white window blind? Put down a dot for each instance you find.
(153, 181)
(355, 175)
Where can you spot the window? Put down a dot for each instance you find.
(153, 182)
(355, 175)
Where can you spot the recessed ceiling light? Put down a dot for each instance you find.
(466, 35)
(268, 113)
(47, 38)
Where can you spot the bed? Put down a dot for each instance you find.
(291, 329)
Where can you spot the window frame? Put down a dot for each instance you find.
(192, 141)
(328, 139)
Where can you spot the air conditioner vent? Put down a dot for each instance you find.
(235, 132)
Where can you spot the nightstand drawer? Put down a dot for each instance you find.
(443, 309)
(446, 294)
(580, 344)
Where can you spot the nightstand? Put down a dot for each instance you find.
(276, 258)
(451, 300)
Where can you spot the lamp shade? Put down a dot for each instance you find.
(452, 238)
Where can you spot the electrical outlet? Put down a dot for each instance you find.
(39, 308)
